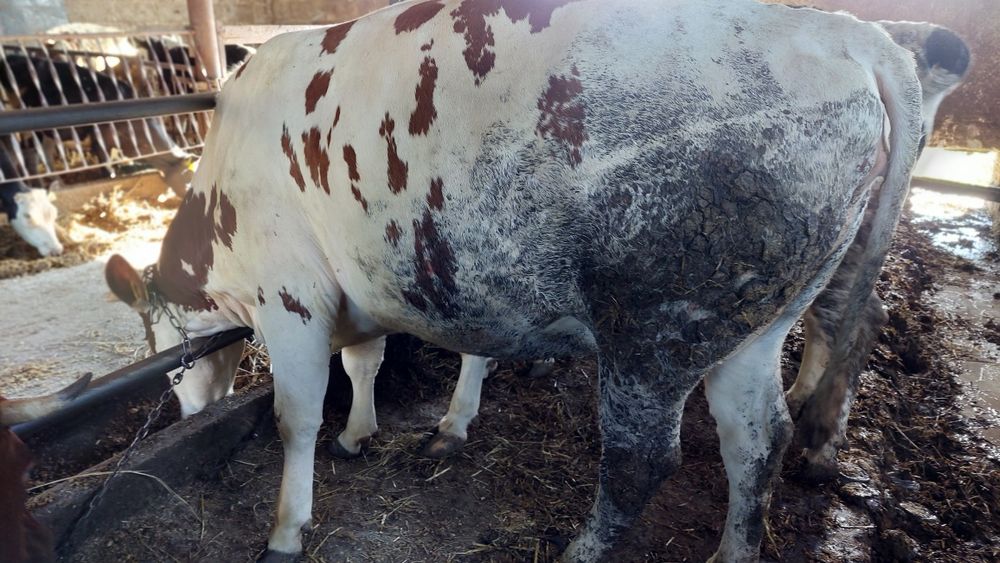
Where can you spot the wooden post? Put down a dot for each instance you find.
(202, 16)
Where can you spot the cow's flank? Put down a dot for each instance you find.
(351, 158)
(293, 305)
(336, 119)
(316, 158)
(293, 160)
(425, 113)
(317, 88)
(470, 21)
(435, 198)
(563, 114)
(397, 169)
(434, 265)
(187, 254)
(334, 36)
(417, 15)
(393, 232)
(359, 198)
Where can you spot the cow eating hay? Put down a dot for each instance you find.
(656, 182)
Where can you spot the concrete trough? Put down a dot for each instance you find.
(186, 450)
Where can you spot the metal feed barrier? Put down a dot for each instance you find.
(125, 381)
(71, 103)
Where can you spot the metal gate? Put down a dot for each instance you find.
(80, 73)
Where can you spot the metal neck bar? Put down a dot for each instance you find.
(113, 386)
(85, 114)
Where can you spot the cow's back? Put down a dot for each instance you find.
(475, 172)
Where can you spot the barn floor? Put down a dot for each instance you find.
(924, 484)
(57, 322)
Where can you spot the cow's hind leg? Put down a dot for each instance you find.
(361, 362)
(452, 431)
(745, 397)
(820, 413)
(640, 408)
(300, 354)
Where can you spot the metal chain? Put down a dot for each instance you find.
(159, 308)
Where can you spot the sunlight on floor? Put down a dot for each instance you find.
(956, 166)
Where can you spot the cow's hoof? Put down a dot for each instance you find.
(819, 472)
(271, 556)
(542, 368)
(442, 445)
(340, 452)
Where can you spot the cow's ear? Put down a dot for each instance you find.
(125, 282)
(946, 50)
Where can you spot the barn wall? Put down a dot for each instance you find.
(21, 17)
(969, 117)
(137, 14)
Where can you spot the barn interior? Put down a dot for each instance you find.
(918, 481)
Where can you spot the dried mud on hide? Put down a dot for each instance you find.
(101, 223)
(917, 486)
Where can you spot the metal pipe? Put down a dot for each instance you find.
(85, 114)
(111, 387)
(206, 39)
(989, 193)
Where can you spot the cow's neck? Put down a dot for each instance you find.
(188, 252)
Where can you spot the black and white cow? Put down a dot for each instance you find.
(29, 210)
(176, 77)
(668, 184)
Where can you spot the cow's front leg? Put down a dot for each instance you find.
(361, 362)
(299, 347)
(453, 430)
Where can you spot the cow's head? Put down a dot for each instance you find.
(33, 216)
(942, 58)
(212, 377)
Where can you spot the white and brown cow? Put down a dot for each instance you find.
(942, 63)
(667, 184)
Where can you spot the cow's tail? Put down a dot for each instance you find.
(16, 411)
(900, 92)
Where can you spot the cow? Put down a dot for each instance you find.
(23, 538)
(942, 64)
(57, 80)
(29, 210)
(820, 400)
(661, 183)
(179, 80)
